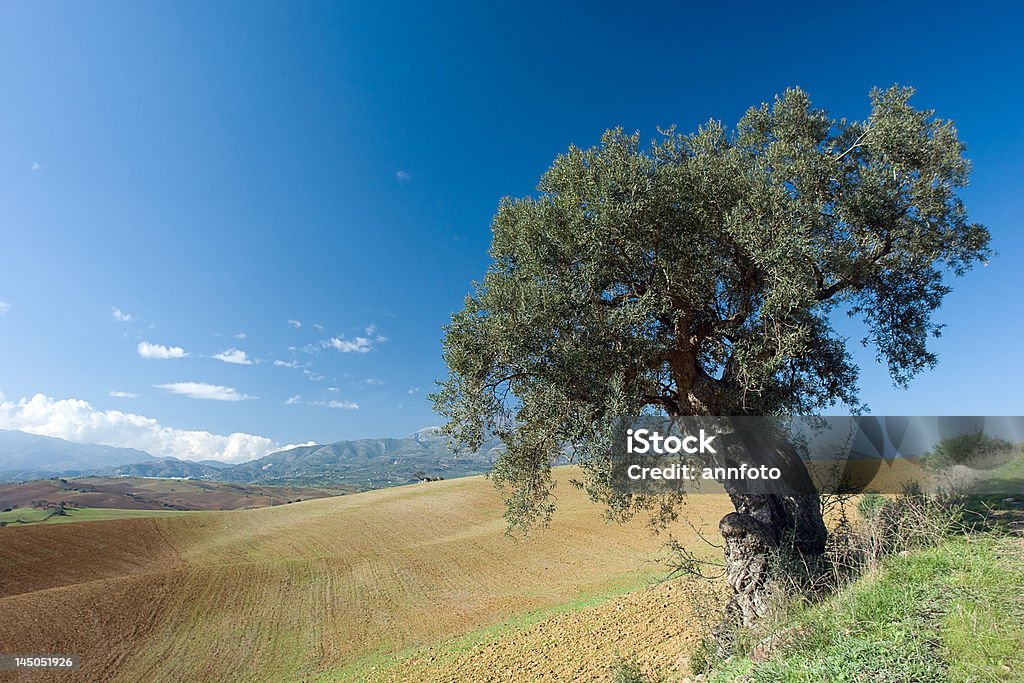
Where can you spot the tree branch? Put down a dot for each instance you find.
(855, 145)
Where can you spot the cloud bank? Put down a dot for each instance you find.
(76, 420)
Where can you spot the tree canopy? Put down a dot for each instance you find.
(700, 275)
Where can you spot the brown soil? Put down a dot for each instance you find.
(299, 591)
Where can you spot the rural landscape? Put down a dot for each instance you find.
(410, 583)
(360, 342)
(421, 582)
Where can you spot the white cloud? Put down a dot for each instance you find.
(34, 166)
(355, 345)
(120, 316)
(286, 364)
(295, 323)
(413, 390)
(241, 335)
(123, 394)
(338, 405)
(159, 351)
(298, 445)
(204, 391)
(342, 405)
(402, 176)
(4, 307)
(234, 356)
(76, 420)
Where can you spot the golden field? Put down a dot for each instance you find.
(411, 583)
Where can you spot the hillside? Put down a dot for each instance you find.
(361, 464)
(129, 493)
(365, 463)
(166, 468)
(954, 612)
(325, 588)
(26, 456)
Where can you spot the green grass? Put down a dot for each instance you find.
(25, 516)
(1010, 475)
(951, 613)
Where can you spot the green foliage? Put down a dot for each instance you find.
(870, 505)
(698, 276)
(702, 657)
(625, 671)
(965, 449)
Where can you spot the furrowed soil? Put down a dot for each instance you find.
(411, 583)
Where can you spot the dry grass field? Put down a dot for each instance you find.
(417, 582)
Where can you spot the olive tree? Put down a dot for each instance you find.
(701, 275)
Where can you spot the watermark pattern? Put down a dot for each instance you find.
(824, 454)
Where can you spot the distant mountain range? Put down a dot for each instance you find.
(362, 463)
(30, 456)
(367, 463)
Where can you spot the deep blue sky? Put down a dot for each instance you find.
(213, 169)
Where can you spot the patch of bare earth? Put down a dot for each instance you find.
(38, 557)
(654, 627)
(96, 590)
(103, 621)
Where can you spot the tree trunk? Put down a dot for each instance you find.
(769, 531)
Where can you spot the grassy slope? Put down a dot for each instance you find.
(310, 589)
(951, 613)
(142, 493)
(24, 516)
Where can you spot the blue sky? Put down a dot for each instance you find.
(221, 169)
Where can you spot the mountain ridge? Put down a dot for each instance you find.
(365, 463)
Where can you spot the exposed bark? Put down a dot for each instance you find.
(758, 537)
(768, 530)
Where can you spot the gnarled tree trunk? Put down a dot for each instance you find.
(769, 529)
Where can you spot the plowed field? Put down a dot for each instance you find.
(347, 588)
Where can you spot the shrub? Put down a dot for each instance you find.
(870, 505)
(965, 449)
(703, 656)
(626, 671)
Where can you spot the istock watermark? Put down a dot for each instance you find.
(824, 454)
(646, 441)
